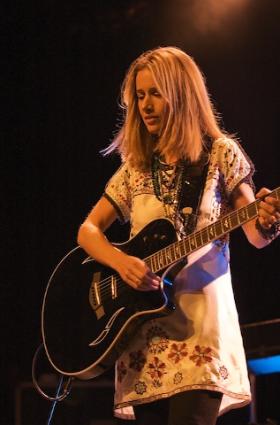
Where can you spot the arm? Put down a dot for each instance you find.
(269, 213)
(91, 237)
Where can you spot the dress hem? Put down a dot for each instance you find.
(245, 398)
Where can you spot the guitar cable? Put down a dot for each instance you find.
(61, 393)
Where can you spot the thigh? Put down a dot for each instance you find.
(197, 407)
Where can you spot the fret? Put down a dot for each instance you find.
(161, 260)
(187, 245)
(168, 254)
(225, 224)
(155, 260)
(148, 261)
(242, 215)
(234, 220)
(173, 247)
(252, 210)
(218, 228)
(177, 252)
(152, 263)
(205, 237)
(198, 239)
(183, 249)
(156, 257)
(192, 242)
(211, 232)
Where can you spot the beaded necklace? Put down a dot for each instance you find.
(167, 183)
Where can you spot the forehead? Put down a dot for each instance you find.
(144, 79)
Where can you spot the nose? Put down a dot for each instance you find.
(147, 104)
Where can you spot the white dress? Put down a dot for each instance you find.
(198, 346)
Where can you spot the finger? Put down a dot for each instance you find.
(144, 284)
(146, 287)
(153, 284)
(265, 222)
(153, 276)
(267, 208)
(148, 284)
(269, 211)
(262, 192)
(270, 200)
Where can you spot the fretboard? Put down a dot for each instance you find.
(178, 250)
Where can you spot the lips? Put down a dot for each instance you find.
(151, 119)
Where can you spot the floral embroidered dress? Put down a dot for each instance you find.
(199, 345)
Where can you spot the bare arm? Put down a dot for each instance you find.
(91, 237)
(269, 212)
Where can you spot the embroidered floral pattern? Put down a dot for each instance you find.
(121, 371)
(157, 383)
(137, 360)
(143, 183)
(178, 377)
(223, 372)
(156, 368)
(178, 352)
(201, 355)
(157, 340)
(140, 387)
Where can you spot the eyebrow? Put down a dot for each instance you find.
(150, 89)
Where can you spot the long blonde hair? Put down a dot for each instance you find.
(190, 115)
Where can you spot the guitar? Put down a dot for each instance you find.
(89, 314)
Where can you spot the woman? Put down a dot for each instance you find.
(188, 367)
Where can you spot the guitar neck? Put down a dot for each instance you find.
(178, 250)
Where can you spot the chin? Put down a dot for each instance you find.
(153, 132)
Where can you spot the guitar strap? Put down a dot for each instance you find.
(193, 186)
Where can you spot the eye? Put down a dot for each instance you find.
(156, 93)
(140, 94)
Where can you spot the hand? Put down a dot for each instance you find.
(136, 273)
(269, 209)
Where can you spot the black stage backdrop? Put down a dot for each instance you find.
(70, 60)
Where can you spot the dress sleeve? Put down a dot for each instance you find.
(118, 192)
(235, 164)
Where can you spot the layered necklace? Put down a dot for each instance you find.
(168, 182)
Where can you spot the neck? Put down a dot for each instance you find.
(170, 159)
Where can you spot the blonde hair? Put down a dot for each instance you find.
(190, 115)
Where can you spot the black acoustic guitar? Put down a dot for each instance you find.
(89, 313)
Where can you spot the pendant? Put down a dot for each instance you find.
(167, 198)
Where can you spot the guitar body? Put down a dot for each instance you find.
(89, 313)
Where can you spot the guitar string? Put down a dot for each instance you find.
(105, 286)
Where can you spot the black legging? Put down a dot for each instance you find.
(198, 407)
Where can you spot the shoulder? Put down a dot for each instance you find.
(224, 144)
(229, 150)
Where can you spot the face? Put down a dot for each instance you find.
(151, 105)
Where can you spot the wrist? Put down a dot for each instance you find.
(268, 233)
(117, 259)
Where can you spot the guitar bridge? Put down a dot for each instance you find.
(95, 297)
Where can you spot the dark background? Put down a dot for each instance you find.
(64, 67)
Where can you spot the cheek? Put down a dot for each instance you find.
(165, 112)
(139, 110)
(164, 108)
